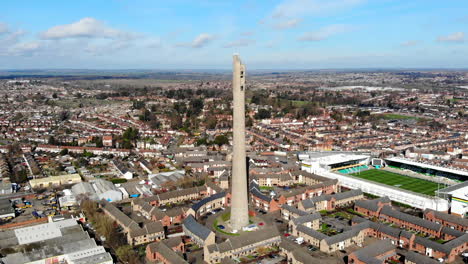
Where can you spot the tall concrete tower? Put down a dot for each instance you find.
(239, 201)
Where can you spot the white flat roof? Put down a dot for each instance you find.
(429, 166)
(335, 158)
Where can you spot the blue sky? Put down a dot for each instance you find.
(203, 34)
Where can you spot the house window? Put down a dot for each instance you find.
(242, 87)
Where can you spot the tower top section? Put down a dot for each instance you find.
(236, 59)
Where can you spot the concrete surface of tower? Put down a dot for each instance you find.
(239, 201)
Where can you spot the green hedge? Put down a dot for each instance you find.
(118, 180)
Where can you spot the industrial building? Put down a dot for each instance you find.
(97, 190)
(58, 241)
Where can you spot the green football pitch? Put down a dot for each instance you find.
(399, 181)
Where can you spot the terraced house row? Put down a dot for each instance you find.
(382, 210)
(272, 203)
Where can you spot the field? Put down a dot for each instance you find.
(397, 116)
(399, 181)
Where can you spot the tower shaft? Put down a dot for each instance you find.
(239, 201)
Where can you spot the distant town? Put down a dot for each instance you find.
(343, 166)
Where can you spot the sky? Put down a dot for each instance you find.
(203, 34)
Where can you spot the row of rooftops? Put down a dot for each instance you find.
(176, 193)
(245, 240)
(396, 232)
(389, 211)
(130, 225)
(448, 217)
(310, 203)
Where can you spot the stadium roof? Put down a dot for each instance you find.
(333, 158)
(453, 187)
(428, 166)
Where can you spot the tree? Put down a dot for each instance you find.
(19, 176)
(130, 134)
(18, 117)
(105, 226)
(202, 141)
(126, 254)
(255, 99)
(52, 141)
(262, 114)
(145, 115)
(196, 106)
(138, 104)
(337, 116)
(176, 121)
(249, 122)
(211, 122)
(64, 152)
(64, 115)
(89, 208)
(180, 108)
(221, 140)
(154, 124)
(97, 141)
(362, 114)
(87, 154)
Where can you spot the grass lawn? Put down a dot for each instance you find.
(397, 116)
(399, 181)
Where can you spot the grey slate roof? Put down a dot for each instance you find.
(196, 228)
(306, 218)
(342, 237)
(348, 194)
(255, 191)
(311, 232)
(293, 210)
(369, 205)
(416, 257)
(452, 232)
(170, 255)
(246, 239)
(202, 202)
(388, 230)
(389, 211)
(432, 244)
(448, 217)
(367, 254)
(457, 241)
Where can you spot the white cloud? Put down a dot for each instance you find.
(202, 40)
(3, 28)
(199, 42)
(239, 43)
(287, 24)
(325, 32)
(107, 48)
(25, 48)
(457, 37)
(10, 38)
(10, 42)
(299, 8)
(154, 43)
(87, 27)
(409, 43)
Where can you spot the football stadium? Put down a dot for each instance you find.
(358, 170)
(399, 181)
